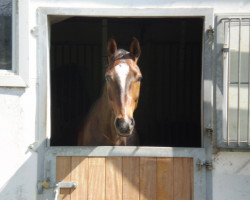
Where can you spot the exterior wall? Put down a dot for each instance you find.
(17, 124)
(231, 176)
(18, 107)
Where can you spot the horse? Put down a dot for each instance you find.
(110, 122)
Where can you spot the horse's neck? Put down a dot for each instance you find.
(104, 110)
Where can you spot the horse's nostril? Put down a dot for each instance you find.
(122, 125)
(119, 122)
(132, 122)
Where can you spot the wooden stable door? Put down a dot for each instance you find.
(126, 178)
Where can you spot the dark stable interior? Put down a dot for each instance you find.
(169, 110)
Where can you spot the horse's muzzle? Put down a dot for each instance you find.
(124, 127)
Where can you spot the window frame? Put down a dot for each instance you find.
(18, 75)
(222, 89)
(43, 21)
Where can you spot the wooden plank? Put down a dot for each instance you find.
(63, 169)
(183, 179)
(79, 174)
(191, 164)
(96, 179)
(165, 180)
(147, 178)
(130, 183)
(127, 178)
(113, 178)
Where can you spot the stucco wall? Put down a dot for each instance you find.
(18, 175)
(231, 176)
(18, 165)
(17, 125)
(220, 6)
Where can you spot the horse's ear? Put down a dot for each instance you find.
(135, 49)
(112, 47)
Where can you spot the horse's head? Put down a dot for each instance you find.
(123, 78)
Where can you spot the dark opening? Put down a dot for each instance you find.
(169, 110)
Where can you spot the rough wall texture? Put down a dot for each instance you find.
(18, 164)
(231, 176)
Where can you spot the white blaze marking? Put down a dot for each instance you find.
(122, 71)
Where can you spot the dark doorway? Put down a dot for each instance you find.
(169, 111)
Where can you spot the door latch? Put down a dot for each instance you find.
(62, 184)
(41, 185)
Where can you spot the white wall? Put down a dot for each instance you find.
(231, 176)
(17, 126)
(220, 6)
(18, 174)
(18, 165)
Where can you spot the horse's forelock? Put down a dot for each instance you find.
(120, 54)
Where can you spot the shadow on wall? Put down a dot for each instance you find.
(18, 175)
(12, 91)
(22, 185)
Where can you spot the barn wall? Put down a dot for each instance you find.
(17, 125)
(18, 174)
(231, 176)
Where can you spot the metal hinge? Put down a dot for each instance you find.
(210, 32)
(225, 48)
(207, 164)
(210, 131)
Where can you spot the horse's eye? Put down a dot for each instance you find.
(139, 79)
(108, 78)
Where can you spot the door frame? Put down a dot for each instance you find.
(47, 155)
